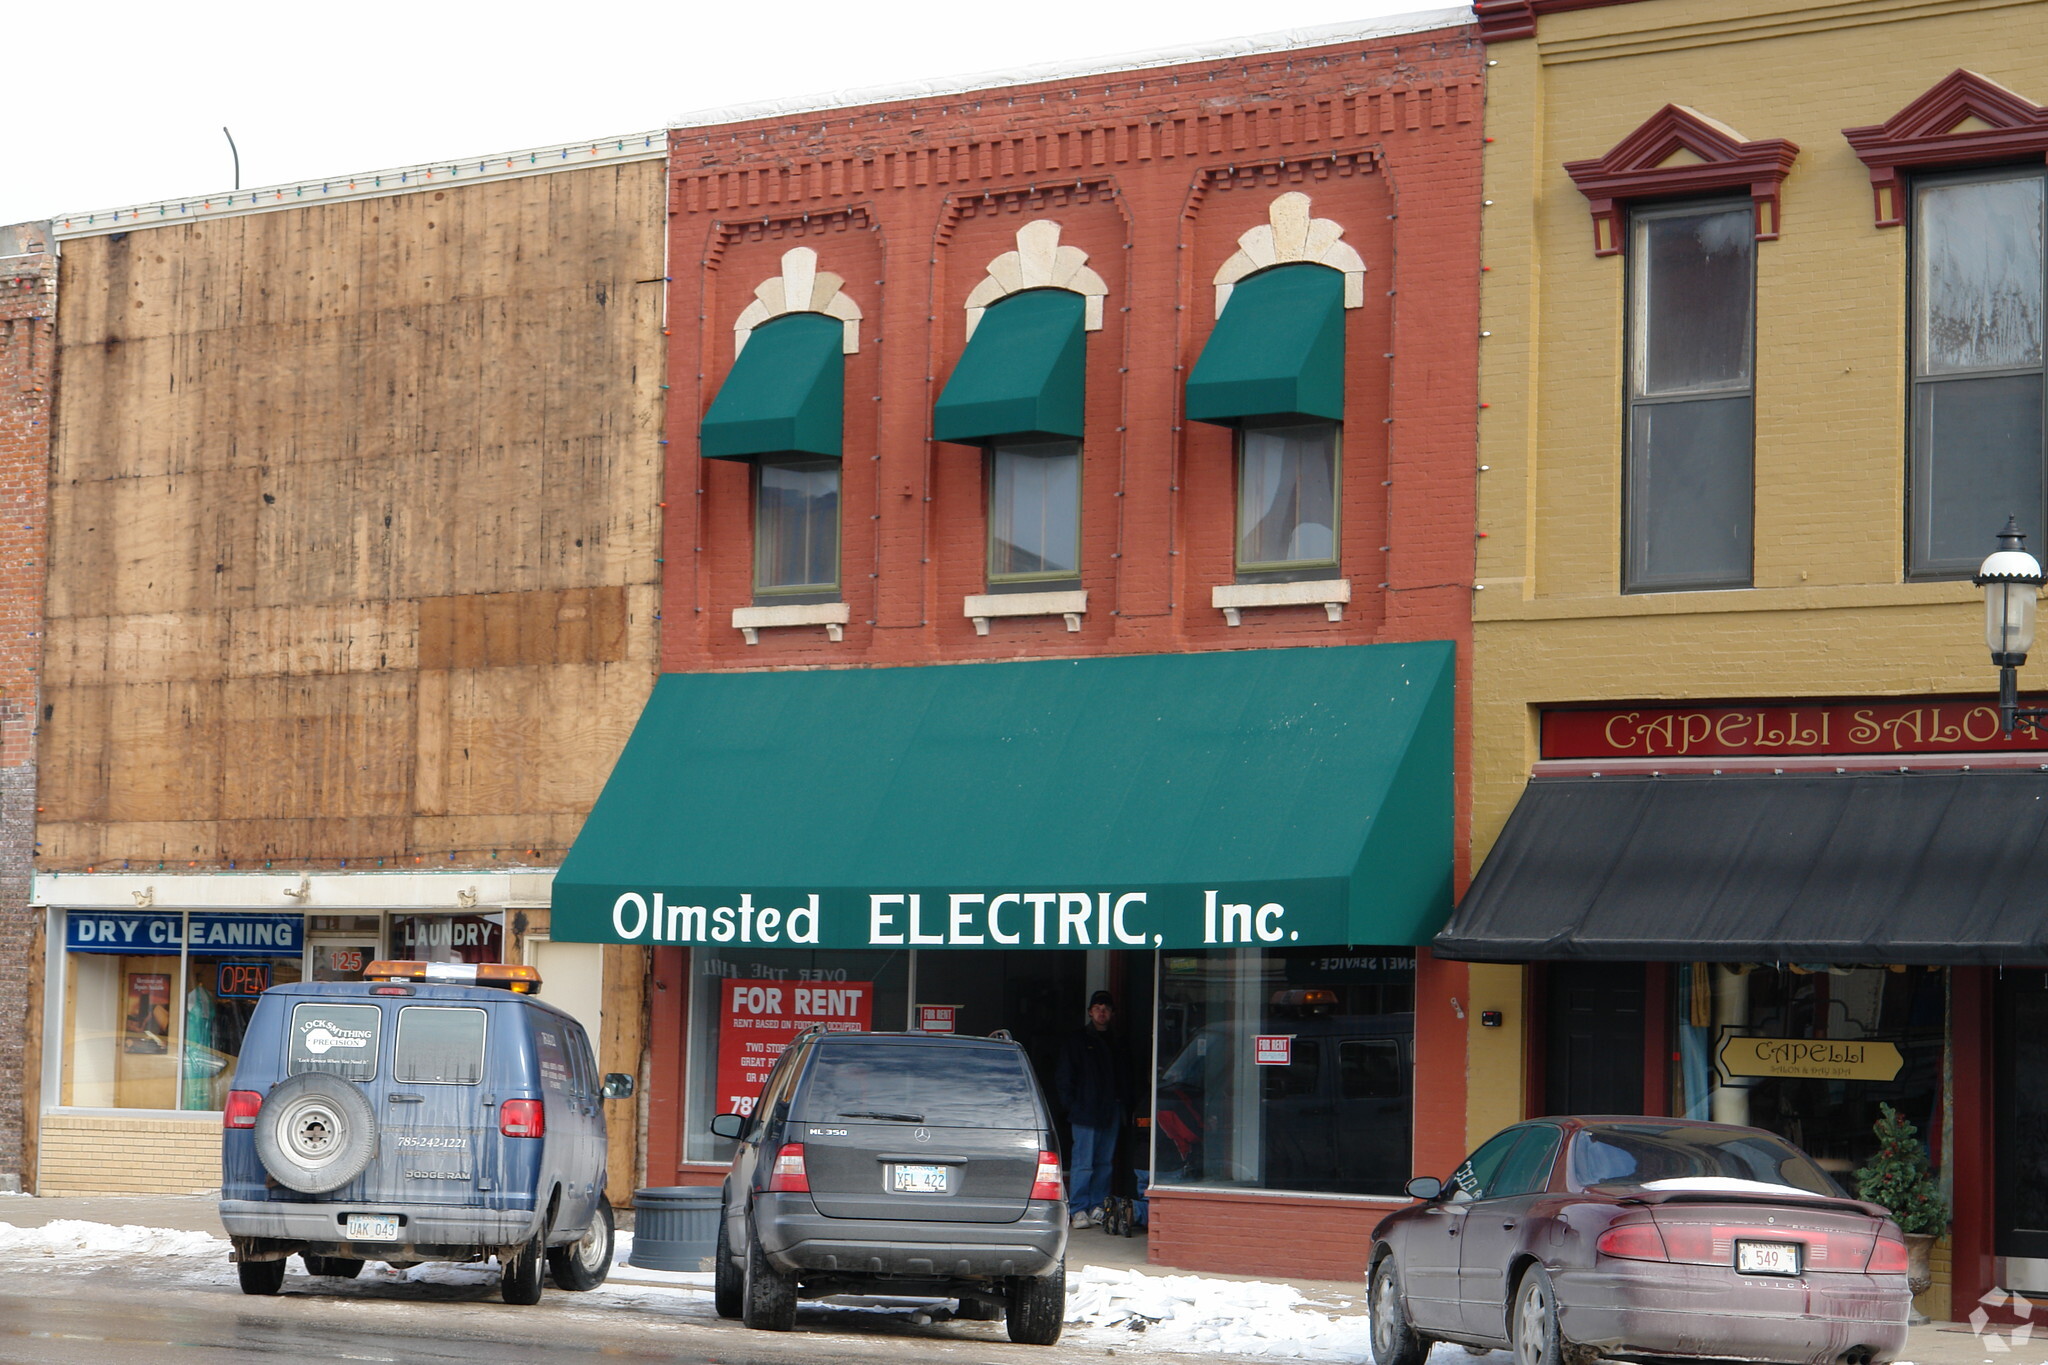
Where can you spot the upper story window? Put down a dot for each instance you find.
(1034, 513)
(1689, 502)
(796, 528)
(1978, 305)
(1286, 496)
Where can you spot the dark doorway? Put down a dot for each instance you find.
(2021, 1115)
(1594, 1060)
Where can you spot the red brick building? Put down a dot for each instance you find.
(1202, 339)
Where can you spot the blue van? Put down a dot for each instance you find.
(430, 1112)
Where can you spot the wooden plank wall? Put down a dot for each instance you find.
(354, 519)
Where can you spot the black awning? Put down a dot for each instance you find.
(1878, 867)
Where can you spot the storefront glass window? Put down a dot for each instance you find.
(1810, 1054)
(747, 1005)
(1287, 1070)
(156, 1002)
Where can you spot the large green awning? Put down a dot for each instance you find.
(1244, 797)
(1277, 351)
(785, 394)
(1023, 373)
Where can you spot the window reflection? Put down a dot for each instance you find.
(1034, 513)
(1287, 495)
(796, 525)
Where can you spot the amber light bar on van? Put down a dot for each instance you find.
(505, 975)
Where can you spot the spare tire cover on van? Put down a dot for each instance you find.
(315, 1133)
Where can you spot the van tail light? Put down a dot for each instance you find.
(241, 1110)
(523, 1118)
(1887, 1257)
(1046, 1184)
(789, 1176)
(1633, 1242)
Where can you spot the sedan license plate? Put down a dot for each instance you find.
(918, 1179)
(371, 1227)
(1767, 1258)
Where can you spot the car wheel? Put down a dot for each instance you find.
(584, 1264)
(1394, 1339)
(335, 1267)
(261, 1277)
(728, 1282)
(1038, 1307)
(767, 1296)
(519, 1279)
(1533, 1325)
(315, 1133)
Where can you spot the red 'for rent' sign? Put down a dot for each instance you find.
(759, 1018)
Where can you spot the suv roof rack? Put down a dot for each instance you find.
(520, 980)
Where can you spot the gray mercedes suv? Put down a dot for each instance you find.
(901, 1163)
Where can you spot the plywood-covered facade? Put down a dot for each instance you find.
(352, 573)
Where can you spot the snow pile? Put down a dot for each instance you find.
(1194, 1313)
(71, 1239)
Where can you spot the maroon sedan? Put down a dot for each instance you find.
(1643, 1239)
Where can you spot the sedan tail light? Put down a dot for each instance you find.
(789, 1175)
(1046, 1184)
(1633, 1242)
(1887, 1257)
(523, 1118)
(241, 1110)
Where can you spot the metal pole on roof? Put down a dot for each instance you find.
(237, 154)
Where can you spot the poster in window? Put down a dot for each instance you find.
(147, 1023)
(758, 1019)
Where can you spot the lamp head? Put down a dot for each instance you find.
(2011, 579)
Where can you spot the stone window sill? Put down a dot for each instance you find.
(751, 621)
(985, 607)
(1233, 599)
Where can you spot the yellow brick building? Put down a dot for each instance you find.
(1608, 326)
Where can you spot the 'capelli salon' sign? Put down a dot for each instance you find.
(1820, 1059)
(977, 919)
(1921, 727)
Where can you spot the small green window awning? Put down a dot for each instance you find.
(1023, 373)
(785, 394)
(1277, 351)
(1243, 797)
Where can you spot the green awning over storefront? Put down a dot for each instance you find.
(785, 394)
(1022, 374)
(1243, 797)
(1277, 351)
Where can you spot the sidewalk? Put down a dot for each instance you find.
(1934, 1344)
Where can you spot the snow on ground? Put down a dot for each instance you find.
(1128, 1310)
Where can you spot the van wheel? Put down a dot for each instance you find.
(767, 1296)
(261, 1277)
(585, 1264)
(519, 1279)
(315, 1133)
(336, 1267)
(1038, 1307)
(728, 1282)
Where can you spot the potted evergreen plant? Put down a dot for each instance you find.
(1901, 1178)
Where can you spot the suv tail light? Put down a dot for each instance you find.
(1046, 1184)
(1887, 1257)
(1633, 1242)
(241, 1110)
(789, 1175)
(523, 1118)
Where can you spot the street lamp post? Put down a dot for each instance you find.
(2011, 579)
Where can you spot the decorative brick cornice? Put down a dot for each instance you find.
(1502, 21)
(1680, 152)
(1964, 120)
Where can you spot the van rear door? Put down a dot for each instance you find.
(432, 1146)
(902, 1129)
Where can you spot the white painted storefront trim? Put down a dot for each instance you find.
(283, 890)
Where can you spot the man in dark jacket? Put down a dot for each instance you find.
(1093, 1085)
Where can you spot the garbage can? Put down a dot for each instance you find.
(675, 1227)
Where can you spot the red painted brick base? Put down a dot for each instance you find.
(1293, 1236)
